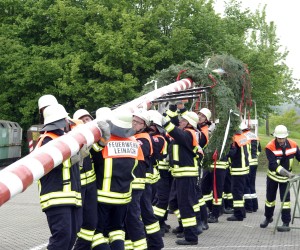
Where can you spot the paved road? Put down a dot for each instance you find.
(23, 226)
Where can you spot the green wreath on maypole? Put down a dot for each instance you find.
(230, 90)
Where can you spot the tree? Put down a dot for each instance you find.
(99, 53)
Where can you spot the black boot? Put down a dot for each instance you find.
(284, 228)
(178, 230)
(199, 228)
(234, 218)
(185, 242)
(212, 219)
(266, 222)
(228, 210)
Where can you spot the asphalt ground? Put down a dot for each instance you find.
(23, 226)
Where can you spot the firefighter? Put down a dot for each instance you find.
(161, 166)
(227, 194)
(43, 102)
(142, 190)
(88, 194)
(280, 153)
(250, 196)
(120, 156)
(184, 168)
(59, 189)
(239, 169)
(204, 115)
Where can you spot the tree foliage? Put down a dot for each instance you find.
(99, 53)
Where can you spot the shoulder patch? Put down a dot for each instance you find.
(155, 139)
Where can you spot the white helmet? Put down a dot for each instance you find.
(281, 131)
(54, 113)
(103, 114)
(206, 112)
(143, 114)
(191, 117)
(243, 126)
(80, 113)
(155, 117)
(46, 100)
(121, 118)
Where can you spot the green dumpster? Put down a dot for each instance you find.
(10, 142)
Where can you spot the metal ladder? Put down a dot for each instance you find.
(293, 184)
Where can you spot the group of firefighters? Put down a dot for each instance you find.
(117, 194)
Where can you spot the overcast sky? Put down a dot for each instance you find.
(286, 16)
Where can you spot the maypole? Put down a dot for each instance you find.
(17, 177)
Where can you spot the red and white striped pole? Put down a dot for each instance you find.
(18, 176)
(144, 101)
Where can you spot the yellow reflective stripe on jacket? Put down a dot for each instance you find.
(66, 174)
(113, 197)
(138, 183)
(66, 196)
(239, 171)
(163, 165)
(220, 165)
(169, 127)
(88, 177)
(60, 200)
(253, 162)
(107, 174)
(272, 175)
(185, 171)
(97, 147)
(88, 180)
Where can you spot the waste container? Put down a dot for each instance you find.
(33, 134)
(10, 142)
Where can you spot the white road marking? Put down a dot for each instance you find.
(39, 247)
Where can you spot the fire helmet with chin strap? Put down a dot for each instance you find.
(206, 112)
(191, 117)
(46, 100)
(80, 113)
(142, 114)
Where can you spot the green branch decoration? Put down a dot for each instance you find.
(231, 90)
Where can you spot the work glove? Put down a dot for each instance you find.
(84, 151)
(75, 159)
(286, 173)
(105, 130)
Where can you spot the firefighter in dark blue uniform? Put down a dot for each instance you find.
(251, 202)
(151, 238)
(204, 115)
(119, 157)
(88, 194)
(162, 177)
(184, 168)
(280, 153)
(239, 169)
(60, 195)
